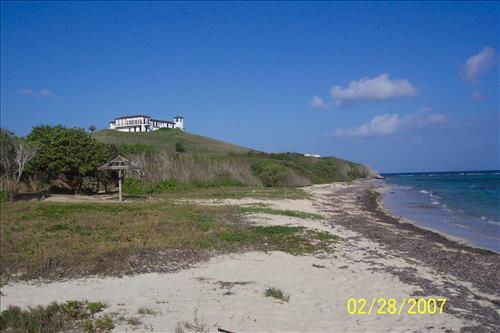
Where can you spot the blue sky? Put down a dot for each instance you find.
(398, 86)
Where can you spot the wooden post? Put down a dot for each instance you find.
(119, 184)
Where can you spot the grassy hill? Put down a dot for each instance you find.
(165, 139)
(208, 162)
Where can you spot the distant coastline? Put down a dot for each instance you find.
(437, 172)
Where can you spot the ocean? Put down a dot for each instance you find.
(459, 204)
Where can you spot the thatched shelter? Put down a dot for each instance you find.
(120, 163)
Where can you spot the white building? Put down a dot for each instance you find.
(142, 123)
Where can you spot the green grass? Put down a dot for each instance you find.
(70, 316)
(53, 240)
(166, 139)
(278, 294)
(142, 187)
(238, 192)
(291, 213)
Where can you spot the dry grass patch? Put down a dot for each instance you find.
(54, 240)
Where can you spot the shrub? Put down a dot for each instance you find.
(270, 173)
(141, 187)
(70, 152)
(179, 147)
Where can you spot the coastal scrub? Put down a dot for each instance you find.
(54, 240)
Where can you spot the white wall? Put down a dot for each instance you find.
(179, 123)
(128, 124)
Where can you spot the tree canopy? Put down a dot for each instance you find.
(68, 153)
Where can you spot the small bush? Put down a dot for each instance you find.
(95, 307)
(179, 147)
(105, 323)
(146, 311)
(270, 173)
(278, 294)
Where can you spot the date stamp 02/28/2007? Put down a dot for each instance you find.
(391, 306)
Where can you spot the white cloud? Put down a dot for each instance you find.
(46, 93)
(378, 126)
(380, 88)
(477, 96)
(387, 124)
(478, 64)
(437, 119)
(318, 103)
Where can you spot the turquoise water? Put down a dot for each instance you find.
(460, 204)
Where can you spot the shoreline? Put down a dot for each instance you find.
(376, 256)
(381, 188)
(475, 271)
(371, 202)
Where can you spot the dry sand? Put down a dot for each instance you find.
(228, 291)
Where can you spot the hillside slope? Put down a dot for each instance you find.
(165, 139)
(208, 160)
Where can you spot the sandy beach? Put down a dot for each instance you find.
(377, 256)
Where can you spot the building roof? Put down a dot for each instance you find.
(144, 116)
(119, 163)
(133, 116)
(163, 121)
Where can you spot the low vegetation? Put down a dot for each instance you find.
(283, 212)
(53, 240)
(278, 294)
(270, 170)
(142, 187)
(196, 326)
(81, 316)
(145, 311)
(50, 155)
(185, 157)
(67, 159)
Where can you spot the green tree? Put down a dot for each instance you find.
(70, 154)
(7, 156)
